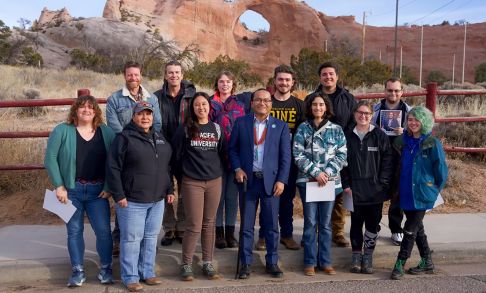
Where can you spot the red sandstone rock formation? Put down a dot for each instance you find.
(214, 25)
(49, 18)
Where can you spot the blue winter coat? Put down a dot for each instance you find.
(429, 172)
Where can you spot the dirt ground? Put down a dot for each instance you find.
(465, 193)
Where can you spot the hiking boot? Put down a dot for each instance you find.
(425, 266)
(77, 278)
(260, 246)
(340, 241)
(106, 275)
(397, 238)
(168, 238)
(220, 242)
(230, 237)
(289, 243)
(186, 272)
(356, 259)
(209, 271)
(398, 269)
(367, 264)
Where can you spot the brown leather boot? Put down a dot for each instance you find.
(220, 241)
(230, 237)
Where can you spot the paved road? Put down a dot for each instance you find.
(450, 278)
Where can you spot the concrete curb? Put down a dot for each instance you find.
(168, 261)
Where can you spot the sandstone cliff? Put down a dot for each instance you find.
(214, 26)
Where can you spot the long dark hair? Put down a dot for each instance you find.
(329, 113)
(192, 122)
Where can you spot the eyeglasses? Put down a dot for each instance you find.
(393, 91)
(367, 114)
(266, 101)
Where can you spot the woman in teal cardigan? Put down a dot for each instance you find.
(75, 161)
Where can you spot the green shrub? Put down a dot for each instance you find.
(351, 72)
(436, 76)
(480, 73)
(204, 73)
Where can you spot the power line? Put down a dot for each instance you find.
(449, 12)
(393, 10)
(427, 15)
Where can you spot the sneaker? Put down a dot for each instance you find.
(77, 279)
(260, 245)
(186, 272)
(397, 238)
(209, 271)
(106, 276)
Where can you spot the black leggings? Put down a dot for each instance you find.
(370, 216)
(413, 231)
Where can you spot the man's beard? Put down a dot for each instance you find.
(283, 93)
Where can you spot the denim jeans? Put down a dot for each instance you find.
(316, 214)
(228, 204)
(139, 228)
(85, 199)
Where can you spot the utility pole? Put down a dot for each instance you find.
(396, 39)
(380, 56)
(453, 66)
(363, 41)
(464, 52)
(401, 60)
(421, 55)
(325, 45)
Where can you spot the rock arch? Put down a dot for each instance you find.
(214, 26)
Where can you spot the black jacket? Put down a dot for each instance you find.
(171, 117)
(342, 106)
(138, 166)
(369, 169)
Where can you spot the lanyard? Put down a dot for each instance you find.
(257, 141)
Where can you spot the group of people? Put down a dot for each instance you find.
(248, 150)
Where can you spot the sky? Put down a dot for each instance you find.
(378, 12)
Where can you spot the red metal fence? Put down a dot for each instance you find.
(431, 93)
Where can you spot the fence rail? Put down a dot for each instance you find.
(431, 94)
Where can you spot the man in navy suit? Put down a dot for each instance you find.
(259, 152)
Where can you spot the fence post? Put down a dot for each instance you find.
(431, 97)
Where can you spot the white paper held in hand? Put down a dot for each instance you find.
(314, 192)
(52, 204)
